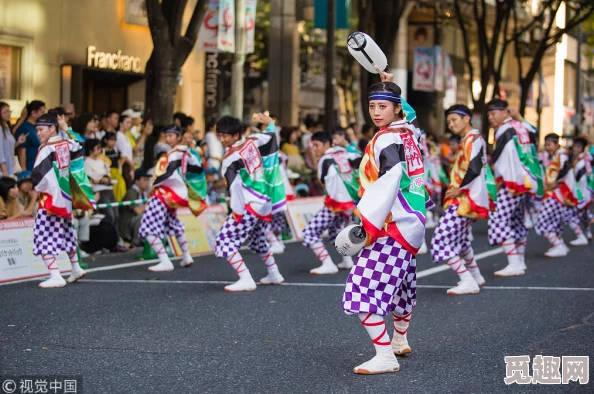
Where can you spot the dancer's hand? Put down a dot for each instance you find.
(453, 192)
(262, 118)
(386, 77)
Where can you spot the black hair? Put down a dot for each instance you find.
(49, 117)
(110, 112)
(146, 119)
(90, 144)
(456, 108)
(210, 124)
(110, 135)
(387, 87)
(581, 141)
(179, 115)
(497, 103)
(2, 105)
(455, 138)
(421, 31)
(60, 111)
(286, 132)
(552, 137)
(79, 124)
(149, 159)
(6, 184)
(187, 121)
(322, 136)
(123, 118)
(229, 125)
(343, 133)
(34, 105)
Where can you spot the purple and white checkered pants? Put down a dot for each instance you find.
(52, 234)
(578, 216)
(507, 221)
(451, 237)
(233, 234)
(550, 217)
(157, 220)
(325, 219)
(383, 279)
(277, 225)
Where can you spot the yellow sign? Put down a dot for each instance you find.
(112, 61)
(201, 231)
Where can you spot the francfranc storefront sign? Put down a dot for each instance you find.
(112, 61)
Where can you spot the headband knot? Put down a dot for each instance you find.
(388, 96)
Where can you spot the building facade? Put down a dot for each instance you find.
(92, 53)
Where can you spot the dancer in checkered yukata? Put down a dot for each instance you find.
(561, 192)
(392, 211)
(59, 178)
(335, 171)
(251, 169)
(178, 181)
(518, 173)
(580, 214)
(466, 200)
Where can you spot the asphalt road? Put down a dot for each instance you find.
(126, 330)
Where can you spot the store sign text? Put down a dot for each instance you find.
(113, 61)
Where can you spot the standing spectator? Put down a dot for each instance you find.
(7, 141)
(97, 170)
(69, 113)
(110, 122)
(27, 197)
(312, 126)
(86, 126)
(177, 118)
(27, 152)
(126, 151)
(130, 215)
(9, 192)
(155, 146)
(136, 117)
(115, 169)
(214, 149)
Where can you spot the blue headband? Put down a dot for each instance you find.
(48, 124)
(174, 131)
(389, 96)
(459, 112)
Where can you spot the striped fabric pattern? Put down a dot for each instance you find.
(59, 176)
(393, 195)
(251, 169)
(469, 174)
(179, 181)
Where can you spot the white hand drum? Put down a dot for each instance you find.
(367, 52)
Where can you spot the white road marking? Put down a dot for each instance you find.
(297, 284)
(420, 274)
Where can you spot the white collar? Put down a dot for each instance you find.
(239, 142)
(55, 138)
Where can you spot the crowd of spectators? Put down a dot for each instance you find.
(121, 150)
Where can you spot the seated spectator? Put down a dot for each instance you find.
(130, 215)
(454, 143)
(99, 173)
(136, 117)
(9, 208)
(367, 132)
(27, 197)
(289, 137)
(115, 170)
(81, 224)
(341, 138)
(188, 139)
(27, 152)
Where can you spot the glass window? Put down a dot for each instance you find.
(10, 72)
